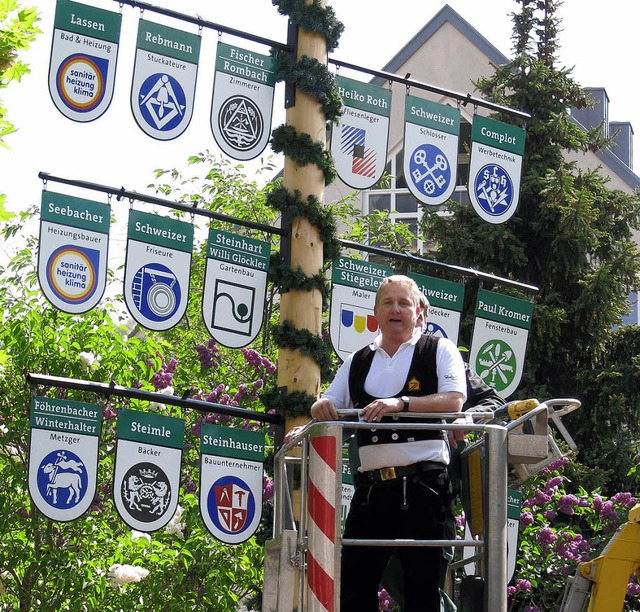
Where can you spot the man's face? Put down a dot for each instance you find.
(396, 312)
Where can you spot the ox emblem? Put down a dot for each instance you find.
(146, 492)
(232, 502)
(62, 479)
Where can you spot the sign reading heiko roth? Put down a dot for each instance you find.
(235, 287)
(352, 322)
(73, 251)
(84, 53)
(495, 168)
(499, 340)
(157, 269)
(146, 476)
(359, 138)
(163, 86)
(63, 456)
(231, 481)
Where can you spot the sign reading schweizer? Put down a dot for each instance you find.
(164, 79)
(359, 138)
(84, 52)
(495, 168)
(63, 456)
(235, 286)
(146, 477)
(231, 472)
(72, 258)
(431, 133)
(157, 269)
(242, 101)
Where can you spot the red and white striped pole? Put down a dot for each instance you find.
(324, 515)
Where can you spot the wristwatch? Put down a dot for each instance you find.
(405, 403)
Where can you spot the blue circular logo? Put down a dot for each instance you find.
(62, 479)
(231, 505)
(433, 329)
(162, 102)
(494, 190)
(156, 292)
(430, 170)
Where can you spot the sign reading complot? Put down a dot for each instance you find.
(84, 53)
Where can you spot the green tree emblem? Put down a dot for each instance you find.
(496, 364)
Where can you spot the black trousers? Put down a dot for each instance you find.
(413, 507)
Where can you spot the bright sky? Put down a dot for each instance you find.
(600, 40)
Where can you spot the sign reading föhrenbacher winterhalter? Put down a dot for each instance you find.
(359, 139)
(499, 340)
(242, 101)
(446, 300)
(73, 250)
(84, 53)
(231, 481)
(157, 269)
(495, 168)
(163, 86)
(235, 286)
(352, 323)
(146, 476)
(431, 134)
(63, 456)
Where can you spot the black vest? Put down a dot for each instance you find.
(422, 379)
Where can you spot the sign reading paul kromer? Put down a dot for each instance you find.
(235, 286)
(231, 472)
(84, 52)
(63, 456)
(146, 478)
(73, 250)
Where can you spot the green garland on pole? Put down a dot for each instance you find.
(294, 404)
(287, 335)
(313, 18)
(288, 279)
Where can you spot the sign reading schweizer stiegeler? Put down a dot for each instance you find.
(164, 79)
(352, 323)
(499, 340)
(84, 53)
(146, 477)
(157, 269)
(242, 101)
(63, 456)
(431, 133)
(495, 168)
(235, 286)
(72, 258)
(231, 473)
(359, 138)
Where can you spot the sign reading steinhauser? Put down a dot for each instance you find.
(235, 287)
(359, 138)
(84, 53)
(231, 473)
(157, 269)
(431, 133)
(495, 168)
(499, 340)
(352, 323)
(446, 299)
(164, 79)
(146, 477)
(242, 102)
(63, 456)
(73, 250)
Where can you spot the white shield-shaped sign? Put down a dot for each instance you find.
(360, 137)
(446, 299)
(164, 79)
(73, 251)
(231, 478)
(242, 101)
(84, 53)
(495, 168)
(146, 478)
(63, 456)
(431, 133)
(235, 287)
(157, 269)
(352, 323)
(499, 340)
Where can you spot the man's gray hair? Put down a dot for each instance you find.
(406, 282)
